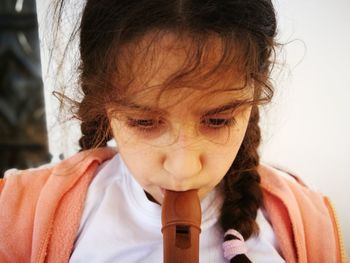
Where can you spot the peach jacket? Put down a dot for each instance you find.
(40, 211)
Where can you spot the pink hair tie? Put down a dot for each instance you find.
(234, 247)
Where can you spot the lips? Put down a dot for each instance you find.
(162, 191)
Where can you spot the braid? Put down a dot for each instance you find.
(241, 189)
(95, 133)
(95, 128)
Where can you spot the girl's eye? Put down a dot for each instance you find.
(156, 125)
(218, 122)
(144, 124)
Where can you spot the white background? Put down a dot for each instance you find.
(307, 126)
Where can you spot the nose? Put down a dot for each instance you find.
(184, 157)
(183, 161)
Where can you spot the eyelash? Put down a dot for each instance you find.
(217, 123)
(144, 125)
(149, 125)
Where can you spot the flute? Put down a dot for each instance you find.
(181, 221)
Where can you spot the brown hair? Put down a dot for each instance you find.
(247, 30)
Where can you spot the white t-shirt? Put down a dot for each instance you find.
(119, 224)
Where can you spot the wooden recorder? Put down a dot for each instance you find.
(181, 220)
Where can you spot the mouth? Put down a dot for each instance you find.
(162, 190)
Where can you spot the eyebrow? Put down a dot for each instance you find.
(222, 108)
(134, 106)
(228, 106)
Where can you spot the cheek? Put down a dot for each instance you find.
(136, 168)
(220, 159)
(218, 165)
(142, 162)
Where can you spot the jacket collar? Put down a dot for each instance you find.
(60, 200)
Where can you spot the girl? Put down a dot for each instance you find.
(178, 85)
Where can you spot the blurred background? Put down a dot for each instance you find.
(23, 134)
(306, 128)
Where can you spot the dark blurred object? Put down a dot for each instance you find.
(23, 136)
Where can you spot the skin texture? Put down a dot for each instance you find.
(175, 141)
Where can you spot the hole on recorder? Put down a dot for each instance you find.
(183, 236)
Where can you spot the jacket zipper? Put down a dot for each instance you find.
(338, 233)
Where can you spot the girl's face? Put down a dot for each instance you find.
(181, 140)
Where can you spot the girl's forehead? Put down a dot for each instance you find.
(162, 71)
(168, 60)
(188, 100)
